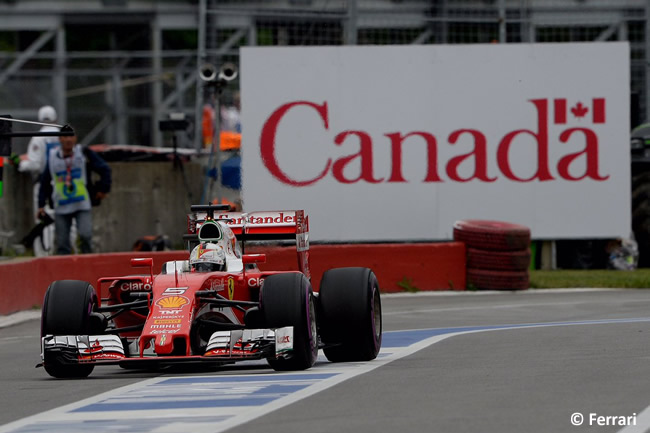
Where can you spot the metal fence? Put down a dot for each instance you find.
(115, 73)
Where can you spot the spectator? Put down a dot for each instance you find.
(65, 179)
(230, 115)
(37, 151)
(38, 147)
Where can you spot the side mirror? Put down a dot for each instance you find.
(142, 263)
(253, 258)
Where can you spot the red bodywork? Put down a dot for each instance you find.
(174, 299)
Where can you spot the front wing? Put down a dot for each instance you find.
(223, 346)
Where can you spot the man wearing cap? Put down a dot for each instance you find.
(65, 179)
(39, 147)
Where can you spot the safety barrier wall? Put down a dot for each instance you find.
(399, 267)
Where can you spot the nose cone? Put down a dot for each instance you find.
(164, 344)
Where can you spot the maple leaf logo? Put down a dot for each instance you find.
(579, 110)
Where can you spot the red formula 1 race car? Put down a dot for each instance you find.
(216, 307)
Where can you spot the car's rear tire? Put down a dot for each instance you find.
(67, 309)
(288, 300)
(350, 314)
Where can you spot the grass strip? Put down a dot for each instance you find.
(601, 278)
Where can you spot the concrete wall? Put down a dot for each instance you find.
(15, 205)
(399, 267)
(147, 198)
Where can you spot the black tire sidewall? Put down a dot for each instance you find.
(67, 307)
(347, 319)
(66, 311)
(287, 300)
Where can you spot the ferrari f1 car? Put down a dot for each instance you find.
(216, 307)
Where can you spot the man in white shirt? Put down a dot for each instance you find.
(37, 151)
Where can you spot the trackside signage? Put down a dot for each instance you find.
(398, 142)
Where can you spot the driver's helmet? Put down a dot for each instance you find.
(208, 257)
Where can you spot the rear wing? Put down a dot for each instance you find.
(257, 226)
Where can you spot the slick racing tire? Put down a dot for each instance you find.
(67, 309)
(350, 314)
(288, 300)
(492, 235)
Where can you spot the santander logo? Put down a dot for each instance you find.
(572, 167)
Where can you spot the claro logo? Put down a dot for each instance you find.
(135, 287)
(586, 161)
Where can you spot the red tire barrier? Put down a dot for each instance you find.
(492, 235)
(497, 280)
(498, 260)
(498, 254)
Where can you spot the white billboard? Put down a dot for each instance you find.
(397, 142)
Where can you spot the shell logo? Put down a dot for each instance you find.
(172, 302)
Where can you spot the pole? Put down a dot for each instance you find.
(200, 60)
(156, 86)
(647, 57)
(502, 22)
(2, 161)
(351, 25)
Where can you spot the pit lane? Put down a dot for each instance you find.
(461, 362)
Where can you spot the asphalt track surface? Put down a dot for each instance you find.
(469, 362)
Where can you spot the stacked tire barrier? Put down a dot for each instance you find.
(498, 254)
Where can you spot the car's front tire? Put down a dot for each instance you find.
(350, 314)
(67, 310)
(288, 300)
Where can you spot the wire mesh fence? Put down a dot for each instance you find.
(117, 78)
